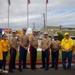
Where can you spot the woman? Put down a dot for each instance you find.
(1, 58)
(4, 43)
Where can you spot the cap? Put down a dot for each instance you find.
(24, 29)
(66, 33)
(13, 31)
(4, 35)
(45, 32)
(55, 35)
(34, 30)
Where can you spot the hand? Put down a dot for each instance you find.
(26, 48)
(19, 43)
(60, 52)
(73, 54)
(16, 49)
(43, 49)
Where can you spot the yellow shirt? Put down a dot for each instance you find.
(67, 43)
(4, 45)
(1, 54)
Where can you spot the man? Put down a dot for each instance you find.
(5, 45)
(33, 50)
(67, 45)
(24, 42)
(45, 45)
(55, 46)
(13, 51)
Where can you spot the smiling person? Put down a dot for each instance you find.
(67, 45)
(55, 47)
(1, 57)
(24, 42)
(13, 51)
(5, 45)
(33, 49)
(45, 45)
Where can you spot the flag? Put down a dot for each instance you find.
(28, 1)
(46, 1)
(9, 2)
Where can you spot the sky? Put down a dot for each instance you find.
(59, 12)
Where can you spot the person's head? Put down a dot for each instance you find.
(55, 36)
(67, 35)
(34, 31)
(13, 33)
(24, 30)
(4, 36)
(45, 34)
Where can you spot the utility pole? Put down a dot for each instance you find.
(33, 25)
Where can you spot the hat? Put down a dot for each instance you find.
(4, 35)
(34, 30)
(45, 32)
(13, 31)
(55, 35)
(66, 33)
(24, 29)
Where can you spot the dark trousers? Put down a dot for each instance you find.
(12, 61)
(4, 60)
(22, 57)
(0, 64)
(66, 55)
(45, 58)
(55, 56)
(33, 58)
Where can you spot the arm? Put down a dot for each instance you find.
(11, 44)
(20, 39)
(48, 46)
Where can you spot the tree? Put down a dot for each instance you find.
(60, 36)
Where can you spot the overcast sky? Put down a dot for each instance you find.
(60, 12)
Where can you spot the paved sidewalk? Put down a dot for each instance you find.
(39, 71)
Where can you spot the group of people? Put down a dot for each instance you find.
(47, 45)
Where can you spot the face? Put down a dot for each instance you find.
(24, 32)
(34, 32)
(55, 38)
(5, 37)
(14, 34)
(45, 35)
(67, 36)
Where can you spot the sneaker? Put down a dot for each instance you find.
(5, 71)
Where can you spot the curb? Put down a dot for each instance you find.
(40, 62)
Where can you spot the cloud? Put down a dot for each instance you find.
(60, 12)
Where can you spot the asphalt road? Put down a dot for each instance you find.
(51, 71)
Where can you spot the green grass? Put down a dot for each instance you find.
(28, 56)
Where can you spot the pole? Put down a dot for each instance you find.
(46, 16)
(8, 20)
(33, 25)
(44, 21)
(27, 15)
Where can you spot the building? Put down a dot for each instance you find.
(55, 29)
